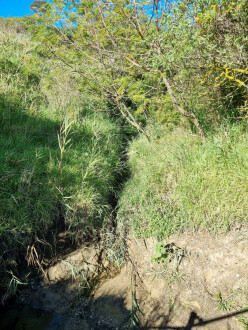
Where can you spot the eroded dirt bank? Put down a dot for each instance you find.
(203, 281)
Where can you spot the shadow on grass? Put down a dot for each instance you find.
(30, 205)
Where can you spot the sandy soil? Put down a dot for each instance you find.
(203, 284)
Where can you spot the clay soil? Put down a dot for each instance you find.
(203, 284)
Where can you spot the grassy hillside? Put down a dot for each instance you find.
(58, 158)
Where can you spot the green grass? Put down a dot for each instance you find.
(48, 174)
(90, 168)
(179, 184)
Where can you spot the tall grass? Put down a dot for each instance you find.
(48, 173)
(179, 184)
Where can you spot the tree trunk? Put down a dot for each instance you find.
(185, 113)
(129, 117)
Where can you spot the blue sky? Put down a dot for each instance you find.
(14, 7)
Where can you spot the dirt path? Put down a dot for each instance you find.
(204, 281)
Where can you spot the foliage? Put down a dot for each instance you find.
(152, 58)
(161, 253)
(38, 6)
(116, 50)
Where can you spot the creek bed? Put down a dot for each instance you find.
(21, 316)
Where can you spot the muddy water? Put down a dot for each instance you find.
(26, 317)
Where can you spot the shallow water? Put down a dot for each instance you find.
(26, 317)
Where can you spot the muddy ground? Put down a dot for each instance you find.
(197, 282)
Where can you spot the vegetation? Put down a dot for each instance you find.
(178, 183)
(148, 55)
(81, 80)
(58, 158)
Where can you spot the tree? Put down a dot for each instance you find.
(135, 53)
(38, 6)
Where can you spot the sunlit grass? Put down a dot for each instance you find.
(179, 183)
